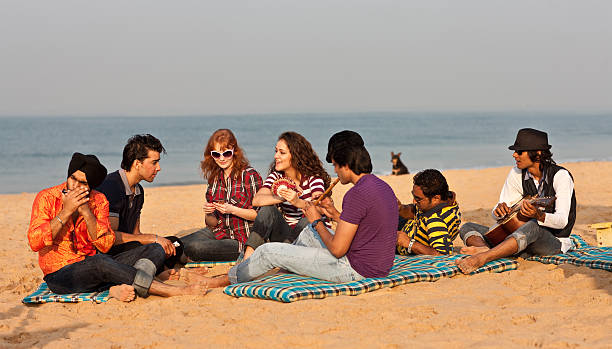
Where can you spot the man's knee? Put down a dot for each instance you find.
(145, 272)
(470, 229)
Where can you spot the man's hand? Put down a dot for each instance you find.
(529, 210)
(166, 245)
(403, 239)
(326, 207)
(224, 207)
(75, 198)
(407, 211)
(502, 209)
(84, 210)
(311, 212)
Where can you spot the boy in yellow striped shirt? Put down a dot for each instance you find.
(434, 218)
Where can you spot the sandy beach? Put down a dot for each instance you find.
(537, 305)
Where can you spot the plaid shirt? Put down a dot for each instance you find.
(239, 192)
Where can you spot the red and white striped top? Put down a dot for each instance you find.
(309, 186)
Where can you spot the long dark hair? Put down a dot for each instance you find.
(545, 158)
(226, 139)
(303, 158)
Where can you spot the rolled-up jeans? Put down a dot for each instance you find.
(101, 271)
(532, 238)
(306, 256)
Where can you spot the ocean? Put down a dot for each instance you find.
(36, 150)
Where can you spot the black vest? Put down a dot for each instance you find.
(529, 188)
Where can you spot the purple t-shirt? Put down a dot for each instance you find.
(372, 205)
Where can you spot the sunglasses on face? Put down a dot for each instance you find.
(520, 152)
(226, 154)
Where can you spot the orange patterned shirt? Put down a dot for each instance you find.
(72, 244)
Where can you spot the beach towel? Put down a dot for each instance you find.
(44, 295)
(209, 264)
(406, 269)
(583, 254)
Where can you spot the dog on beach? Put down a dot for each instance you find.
(398, 166)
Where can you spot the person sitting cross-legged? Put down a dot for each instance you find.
(547, 230)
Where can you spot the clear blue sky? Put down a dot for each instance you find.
(150, 57)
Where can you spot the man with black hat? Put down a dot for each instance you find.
(70, 230)
(547, 232)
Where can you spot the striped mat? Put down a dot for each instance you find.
(209, 264)
(406, 269)
(582, 255)
(44, 295)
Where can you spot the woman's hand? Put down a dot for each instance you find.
(290, 196)
(224, 207)
(209, 208)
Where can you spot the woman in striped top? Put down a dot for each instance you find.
(229, 212)
(295, 159)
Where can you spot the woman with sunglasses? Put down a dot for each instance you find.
(294, 159)
(228, 209)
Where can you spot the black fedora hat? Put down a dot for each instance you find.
(530, 139)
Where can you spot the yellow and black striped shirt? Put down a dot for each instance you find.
(436, 228)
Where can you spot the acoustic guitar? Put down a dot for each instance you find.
(513, 220)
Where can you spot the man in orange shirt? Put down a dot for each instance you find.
(70, 230)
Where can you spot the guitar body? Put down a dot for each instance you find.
(514, 220)
(500, 232)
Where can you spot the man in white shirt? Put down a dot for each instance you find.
(547, 232)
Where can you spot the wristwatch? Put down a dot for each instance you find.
(314, 224)
(409, 249)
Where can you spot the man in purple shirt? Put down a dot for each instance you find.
(363, 244)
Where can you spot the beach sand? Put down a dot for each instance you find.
(537, 305)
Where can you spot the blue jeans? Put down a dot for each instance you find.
(270, 225)
(101, 271)
(203, 246)
(306, 256)
(532, 238)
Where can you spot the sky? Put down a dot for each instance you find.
(150, 57)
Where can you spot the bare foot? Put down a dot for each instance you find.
(472, 250)
(170, 274)
(191, 276)
(218, 281)
(248, 251)
(194, 289)
(124, 293)
(470, 264)
(201, 271)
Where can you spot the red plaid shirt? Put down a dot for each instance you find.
(238, 192)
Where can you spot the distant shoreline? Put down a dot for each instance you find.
(186, 184)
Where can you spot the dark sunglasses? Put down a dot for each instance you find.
(226, 154)
(520, 152)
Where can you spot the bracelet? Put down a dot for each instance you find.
(314, 224)
(409, 249)
(56, 217)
